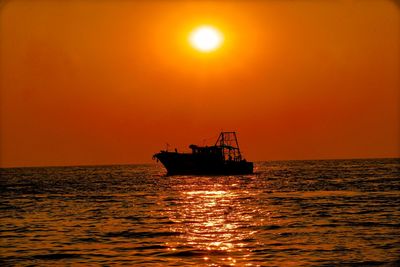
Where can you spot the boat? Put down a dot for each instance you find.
(223, 158)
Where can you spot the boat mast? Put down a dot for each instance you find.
(230, 146)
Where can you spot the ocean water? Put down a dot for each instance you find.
(289, 213)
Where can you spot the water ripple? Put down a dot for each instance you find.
(302, 213)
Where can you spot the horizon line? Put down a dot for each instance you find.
(152, 163)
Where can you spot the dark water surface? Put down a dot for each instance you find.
(309, 213)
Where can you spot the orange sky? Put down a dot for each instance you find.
(107, 82)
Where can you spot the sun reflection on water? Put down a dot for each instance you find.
(214, 223)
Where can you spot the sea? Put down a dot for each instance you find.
(288, 213)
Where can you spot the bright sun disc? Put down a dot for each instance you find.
(205, 38)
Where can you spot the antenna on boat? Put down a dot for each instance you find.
(166, 146)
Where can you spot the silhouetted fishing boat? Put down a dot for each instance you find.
(223, 158)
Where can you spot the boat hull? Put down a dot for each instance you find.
(185, 163)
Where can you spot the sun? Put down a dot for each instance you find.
(206, 38)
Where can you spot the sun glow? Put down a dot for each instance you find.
(206, 38)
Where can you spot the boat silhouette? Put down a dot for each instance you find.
(223, 158)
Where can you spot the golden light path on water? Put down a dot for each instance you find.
(215, 223)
